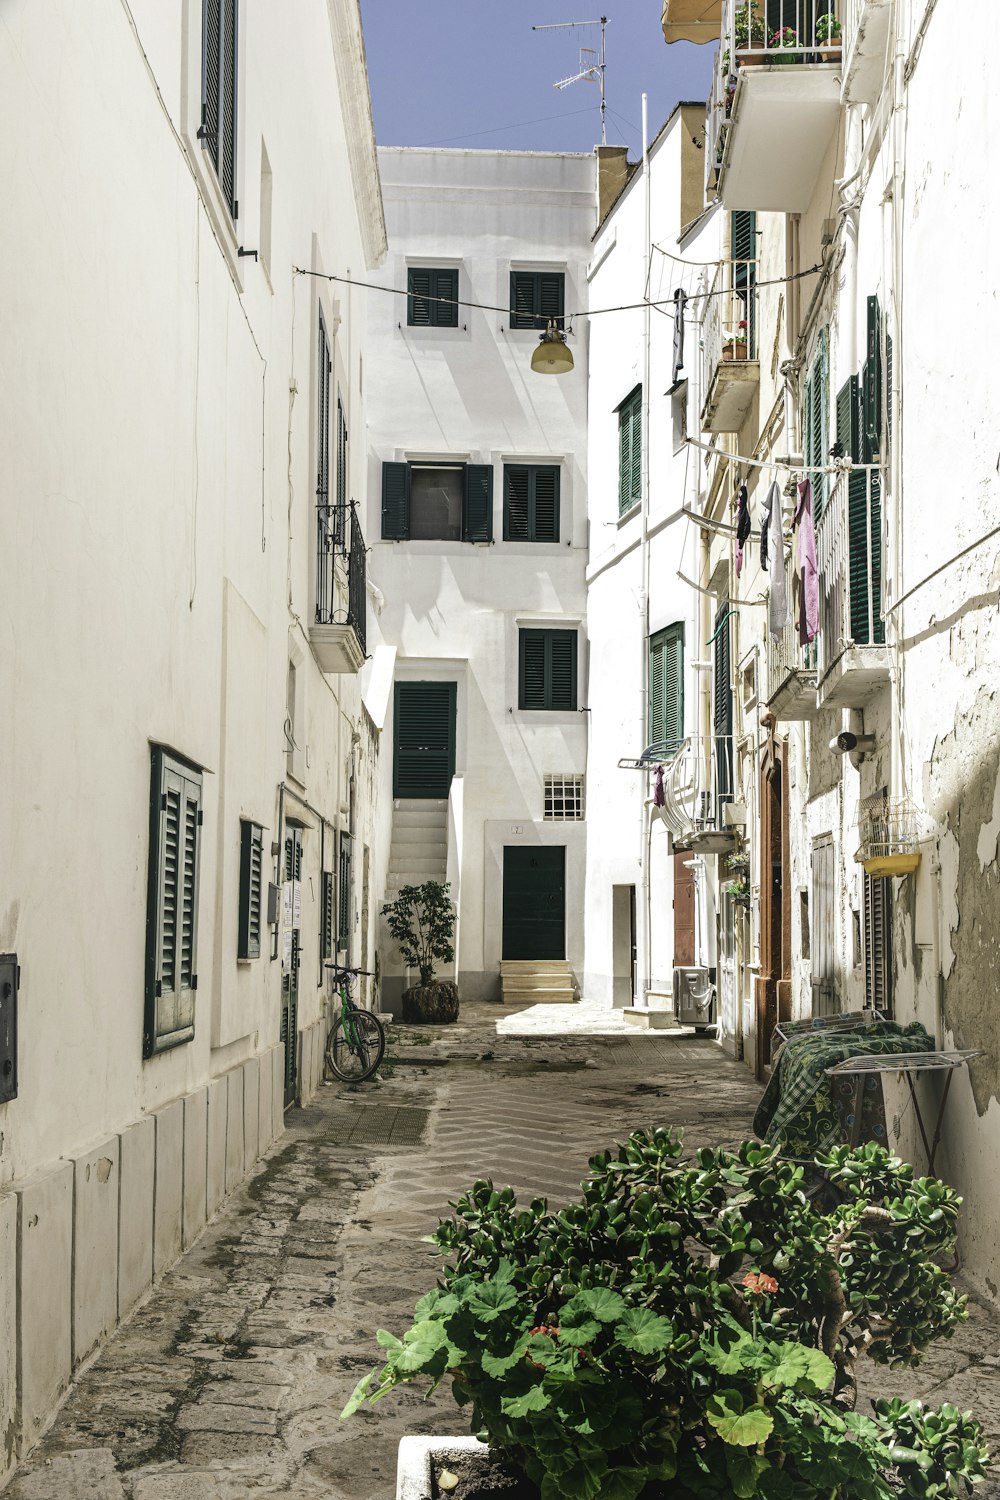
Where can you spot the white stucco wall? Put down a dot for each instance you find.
(452, 610)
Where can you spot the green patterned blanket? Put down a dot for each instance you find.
(797, 1108)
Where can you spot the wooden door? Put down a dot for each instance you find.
(290, 981)
(534, 901)
(683, 912)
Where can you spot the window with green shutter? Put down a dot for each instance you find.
(175, 817)
(217, 132)
(531, 503)
(537, 298)
(630, 451)
(326, 916)
(722, 708)
(666, 686)
(816, 423)
(547, 669)
(251, 889)
(437, 502)
(423, 285)
(344, 892)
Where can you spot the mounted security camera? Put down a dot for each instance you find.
(846, 742)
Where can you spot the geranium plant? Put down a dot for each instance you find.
(783, 37)
(828, 29)
(691, 1328)
(748, 26)
(737, 336)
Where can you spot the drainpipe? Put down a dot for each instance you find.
(847, 331)
(645, 813)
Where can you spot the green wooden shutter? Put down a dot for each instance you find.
(516, 487)
(423, 738)
(344, 905)
(220, 27)
(636, 476)
(551, 293)
(211, 79)
(444, 314)
(545, 504)
(172, 903)
(815, 424)
(477, 503)
(531, 669)
(722, 709)
(666, 685)
(251, 889)
(743, 234)
(871, 381)
(322, 416)
(522, 299)
(395, 501)
(326, 922)
(561, 665)
(536, 297)
(418, 287)
(630, 451)
(227, 173)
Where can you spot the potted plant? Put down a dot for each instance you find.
(739, 891)
(748, 33)
(422, 921)
(779, 41)
(828, 34)
(734, 343)
(690, 1327)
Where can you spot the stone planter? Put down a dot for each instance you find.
(435, 1003)
(420, 1458)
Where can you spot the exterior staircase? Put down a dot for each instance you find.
(536, 981)
(419, 848)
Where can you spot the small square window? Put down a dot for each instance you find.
(436, 504)
(564, 799)
(547, 669)
(432, 297)
(531, 503)
(537, 298)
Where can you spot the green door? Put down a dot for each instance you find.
(423, 757)
(534, 902)
(290, 981)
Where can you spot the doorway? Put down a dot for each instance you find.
(624, 946)
(534, 901)
(423, 748)
(683, 912)
(290, 979)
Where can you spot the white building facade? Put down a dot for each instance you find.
(186, 805)
(477, 513)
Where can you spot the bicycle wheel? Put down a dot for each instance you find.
(354, 1051)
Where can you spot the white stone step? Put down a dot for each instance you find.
(419, 833)
(420, 814)
(427, 865)
(555, 995)
(534, 966)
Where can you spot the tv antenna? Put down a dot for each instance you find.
(591, 65)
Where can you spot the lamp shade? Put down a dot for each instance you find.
(552, 355)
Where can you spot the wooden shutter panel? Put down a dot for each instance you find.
(848, 419)
(395, 501)
(636, 475)
(326, 930)
(531, 669)
(344, 905)
(656, 647)
(172, 904)
(445, 284)
(878, 943)
(227, 145)
(673, 684)
(871, 381)
(211, 78)
(550, 296)
(722, 710)
(624, 461)
(251, 889)
(515, 503)
(477, 503)
(743, 234)
(545, 520)
(418, 287)
(522, 299)
(561, 652)
(322, 416)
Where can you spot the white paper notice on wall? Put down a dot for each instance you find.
(296, 903)
(287, 905)
(286, 951)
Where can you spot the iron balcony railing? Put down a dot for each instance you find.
(786, 659)
(729, 328)
(340, 548)
(849, 557)
(769, 33)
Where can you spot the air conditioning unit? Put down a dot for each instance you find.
(694, 998)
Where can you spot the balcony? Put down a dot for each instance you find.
(730, 371)
(866, 34)
(775, 102)
(697, 788)
(853, 658)
(791, 677)
(337, 635)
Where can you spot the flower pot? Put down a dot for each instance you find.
(830, 52)
(420, 1458)
(735, 351)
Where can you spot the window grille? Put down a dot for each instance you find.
(564, 800)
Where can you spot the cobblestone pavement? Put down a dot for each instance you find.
(227, 1382)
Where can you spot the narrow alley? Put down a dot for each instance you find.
(229, 1379)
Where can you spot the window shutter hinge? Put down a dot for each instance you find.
(163, 802)
(201, 817)
(194, 981)
(159, 989)
(236, 208)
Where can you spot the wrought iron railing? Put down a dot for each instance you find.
(729, 327)
(339, 550)
(849, 556)
(697, 783)
(786, 658)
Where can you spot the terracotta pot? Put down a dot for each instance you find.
(831, 53)
(735, 351)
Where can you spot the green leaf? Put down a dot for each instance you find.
(488, 1299)
(744, 1469)
(357, 1396)
(601, 1302)
(729, 1352)
(388, 1340)
(499, 1365)
(623, 1484)
(644, 1332)
(799, 1366)
(580, 1335)
(741, 1429)
(533, 1399)
(421, 1344)
(437, 1303)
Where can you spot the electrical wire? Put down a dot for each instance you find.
(593, 312)
(499, 129)
(782, 463)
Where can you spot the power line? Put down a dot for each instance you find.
(499, 129)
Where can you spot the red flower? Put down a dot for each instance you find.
(757, 1283)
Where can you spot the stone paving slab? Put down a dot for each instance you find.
(227, 1382)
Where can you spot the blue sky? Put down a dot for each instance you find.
(472, 73)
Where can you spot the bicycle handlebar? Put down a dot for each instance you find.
(343, 969)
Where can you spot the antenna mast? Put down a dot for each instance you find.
(591, 72)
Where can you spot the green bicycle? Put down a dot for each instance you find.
(355, 1042)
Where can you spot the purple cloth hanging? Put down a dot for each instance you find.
(808, 571)
(659, 797)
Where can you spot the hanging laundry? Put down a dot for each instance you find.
(743, 527)
(809, 593)
(772, 545)
(680, 298)
(659, 796)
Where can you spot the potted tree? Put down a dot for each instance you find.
(828, 35)
(422, 921)
(691, 1327)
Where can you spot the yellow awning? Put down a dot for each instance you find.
(692, 20)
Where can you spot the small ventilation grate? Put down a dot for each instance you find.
(564, 799)
(376, 1125)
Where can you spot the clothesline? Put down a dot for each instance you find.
(784, 464)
